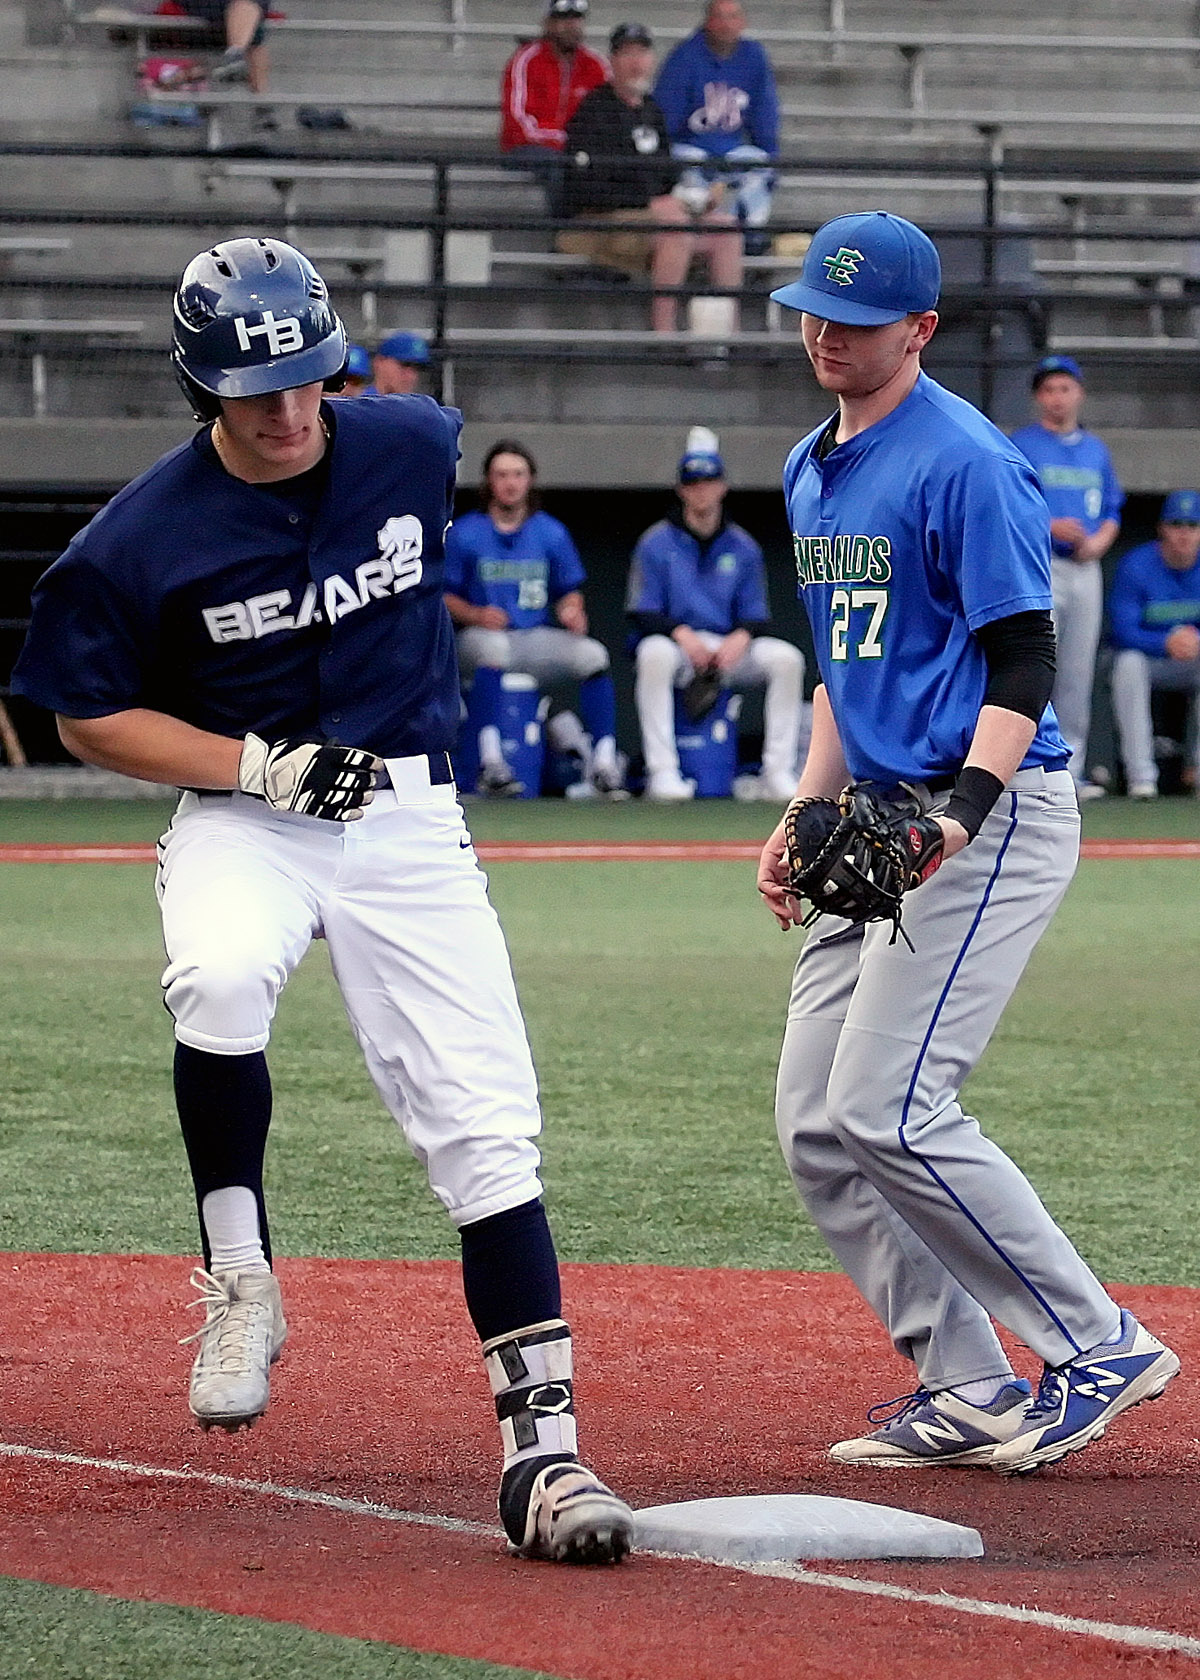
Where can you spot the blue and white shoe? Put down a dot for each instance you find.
(931, 1430)
(1076, 1402)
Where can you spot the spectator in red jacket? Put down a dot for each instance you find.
(544, 82)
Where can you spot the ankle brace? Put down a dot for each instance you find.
(530, 1373)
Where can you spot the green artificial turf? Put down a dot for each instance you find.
(59, 1633)
(654, 995)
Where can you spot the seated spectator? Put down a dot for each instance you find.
(399, 363)
(1154, 613)
(1085, 501)
(511, 571)
(717, 92)
(619, 169)
(244, 21)
(544, 82)
(358, 372)
(697, 600)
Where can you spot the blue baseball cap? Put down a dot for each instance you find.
(1056, 364)
(866, 270)
(358, 363)
(1181, 507)
(700, 464)
(405, 347)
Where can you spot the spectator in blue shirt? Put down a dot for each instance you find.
(717, 92)
(1085, 500)
(514, 587)
(697, 600)
(1154, 613)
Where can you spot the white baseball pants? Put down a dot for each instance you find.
(937, 1227)
(417, 953)
(1078, 591)
(547, 652)
(662, 667)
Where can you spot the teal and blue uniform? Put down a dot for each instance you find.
(1149, 598)
(523, 571)
(909, 538)
(1076, 474)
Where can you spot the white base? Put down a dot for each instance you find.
(779, 1527)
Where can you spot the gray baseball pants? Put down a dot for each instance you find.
(1078, 591)
(1135, 676)
(937, 1228)
(547, 652)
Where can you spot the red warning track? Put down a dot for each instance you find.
(558, 851)
(692, 1384)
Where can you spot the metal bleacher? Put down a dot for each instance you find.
(1059, 167)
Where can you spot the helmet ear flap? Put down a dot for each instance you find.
(204, 405)
(337, 381)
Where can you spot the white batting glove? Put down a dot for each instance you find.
(312, 779)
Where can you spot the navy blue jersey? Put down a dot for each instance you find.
(1077, 476)
(909, 538)
(523, 571)
(237, 607)
(715, 585)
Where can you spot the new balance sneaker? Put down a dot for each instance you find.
(555, 1509)
(930, 1430)
(241, 1337)
(1075, 1403)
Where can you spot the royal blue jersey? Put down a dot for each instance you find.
(1149, 599)
(714, 584)
(1076, 474)
(909, 538)
(240, 607)
(523, 571)
(719, 103)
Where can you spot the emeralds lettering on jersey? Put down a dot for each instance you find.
(842, 559)
(843, 265)
(530, 576)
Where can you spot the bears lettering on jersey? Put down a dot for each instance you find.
(399, 567)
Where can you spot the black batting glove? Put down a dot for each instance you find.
(308, 777)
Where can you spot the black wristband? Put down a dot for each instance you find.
(975, 792)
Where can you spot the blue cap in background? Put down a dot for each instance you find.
(866, 270)
(358, 363)
(697, 465)
(1181, 507)
(405, 347)
(1056, 364)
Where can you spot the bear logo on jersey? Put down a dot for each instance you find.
(402, 542)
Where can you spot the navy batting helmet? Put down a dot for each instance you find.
(253, 316)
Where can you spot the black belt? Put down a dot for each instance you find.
(441, 774)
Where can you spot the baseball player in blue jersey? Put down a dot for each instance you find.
(922, 555)
(697, 600)
(262, 594)
(1154, 614)
(514, 584)
(1085, 501)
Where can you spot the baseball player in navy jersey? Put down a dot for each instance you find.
(1084, 499)
(922, 554)
(263, 593)
(514, 583)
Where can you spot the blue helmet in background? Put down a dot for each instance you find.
(253, 316)
(358, 363)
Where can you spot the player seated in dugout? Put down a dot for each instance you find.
(620, 170)
(244, 25)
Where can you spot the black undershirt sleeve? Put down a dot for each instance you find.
(1020, 659)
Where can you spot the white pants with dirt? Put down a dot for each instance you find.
(416, 950)
(1078, 592)
(1135, 676)
(777, 666)
(938, 1229)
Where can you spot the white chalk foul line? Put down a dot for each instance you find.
(1117, 1633)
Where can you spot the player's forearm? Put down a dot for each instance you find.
(154, 748)
(461, 611)
(1000, 741)
(825, 772)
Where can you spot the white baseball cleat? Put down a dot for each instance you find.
(928, 1430)
(560, 1512)
(242, 1335)
(774, 790)
(668, 789)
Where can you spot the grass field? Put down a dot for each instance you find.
(654, 995)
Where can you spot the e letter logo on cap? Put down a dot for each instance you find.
(843, 266)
